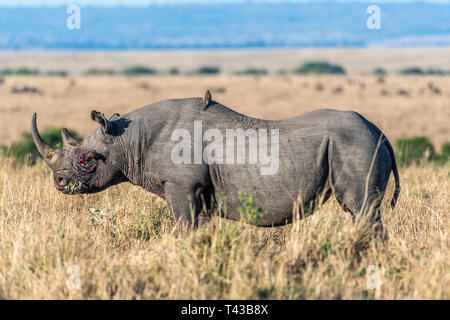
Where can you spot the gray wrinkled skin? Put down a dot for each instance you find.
(321, 153)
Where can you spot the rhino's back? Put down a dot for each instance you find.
(186, 108)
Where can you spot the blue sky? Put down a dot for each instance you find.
(307, 24)
(32, 3)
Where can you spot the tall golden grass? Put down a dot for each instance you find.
(127, 246)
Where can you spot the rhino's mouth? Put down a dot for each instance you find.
(73, 187)
(81, 186)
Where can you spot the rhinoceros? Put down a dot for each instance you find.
(175, 149)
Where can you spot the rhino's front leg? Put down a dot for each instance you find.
(180, 200)
(187, 205)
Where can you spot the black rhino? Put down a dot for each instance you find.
(176, 150)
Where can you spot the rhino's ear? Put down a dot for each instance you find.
(105, 124)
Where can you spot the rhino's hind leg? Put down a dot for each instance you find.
(363, 211)
(359, 181)
(205, 201)
(360, 197)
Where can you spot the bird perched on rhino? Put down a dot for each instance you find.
(209, 162)
(207, 99)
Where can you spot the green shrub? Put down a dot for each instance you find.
(319, 67)
(25, 151)
(6, 72)
(57, 73)
(26, 72)
(413, 150)
(249, 211)
(379, 71)
(444, 155)
(138, 70)
(438, 72)
(174, 71)
(97, 72)
(252, 71)
(411, 71)
(23, 71)
(207, 70)
(419, 71)
(3, 150)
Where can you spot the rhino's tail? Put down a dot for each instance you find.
(395, 171)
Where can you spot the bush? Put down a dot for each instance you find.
(6, 72)
(96, 72)
(444, 155)
(174, 71)
(25, 151)
(26, 72)
(252, 71)
(413, 150)
(411, 71)
(438, 72)
(207, 70)
(418, 71)
(20, 72)
(319, 67)
(138, 70)
(57, 73)
(379, 72)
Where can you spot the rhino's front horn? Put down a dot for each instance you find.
(47, 152)
(68, 140)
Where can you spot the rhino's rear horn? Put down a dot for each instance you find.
(44, 149)
(68, 140)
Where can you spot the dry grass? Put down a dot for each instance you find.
(135, 252)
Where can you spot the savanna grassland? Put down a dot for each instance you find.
(127, 246)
